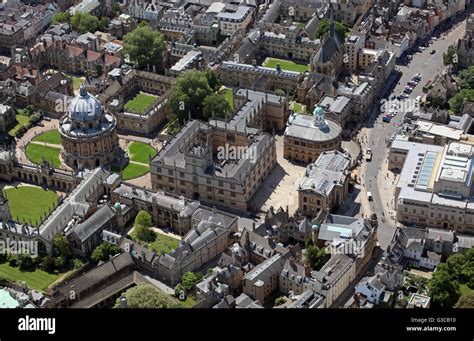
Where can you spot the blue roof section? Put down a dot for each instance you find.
(426, 170)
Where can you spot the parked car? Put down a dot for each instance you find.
(387, 118)
(432, 51)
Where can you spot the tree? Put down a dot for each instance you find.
(456, 102)
(25, 262)
(280, 300)
(323, 29)
(448, 57)
(143, 218)
(61, 17)
(61, 246)
(435, 101)
(466, 301)
(280, 92)
(145, 234)
(444, 288)
(60, 262)
(189, 280)
(316, 257)
(308, 242)
(116, 9)
(103, 252)
(29, 110)
(213, 80)
(85, 22)
(35, 118)
(145, 46)
(187, 95)
(146, 296)
(467, 78)
(47, 263)
(216, 105)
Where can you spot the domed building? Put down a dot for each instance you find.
(88, 134)
(306, 137)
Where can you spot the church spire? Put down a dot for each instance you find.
(331, 21)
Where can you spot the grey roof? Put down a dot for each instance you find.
(179, 205)
(255, 101)
(173, 153)
(302, 127)
(333, 268)
(338, 227)
(75, 204)
(328, 49)
(443, 235)
(94, 223)
(328, 170)
(336, 105)
(96, 275)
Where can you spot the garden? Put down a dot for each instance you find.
(30, 204)
(140, 103)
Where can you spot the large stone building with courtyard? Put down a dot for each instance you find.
(306, 137)
(88, 134)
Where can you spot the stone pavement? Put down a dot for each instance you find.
(279, 189)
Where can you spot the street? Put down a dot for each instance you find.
(377, 132)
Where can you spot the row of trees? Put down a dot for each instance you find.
(81, 22)
(61, 260)
(466, 83)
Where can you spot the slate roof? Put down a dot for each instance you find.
(94, 223)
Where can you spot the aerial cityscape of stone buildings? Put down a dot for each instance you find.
(321, 157)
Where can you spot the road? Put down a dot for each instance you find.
(376, 132)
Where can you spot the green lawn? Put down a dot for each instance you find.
(141, 152)
(140, 102)
(52, 137)
(297, 107)
(21, 121)
(37, 279)
(164, 243)
(229, 96)
(36, 152)
(133, 170)
(28, 203)
(77, 82)
(285, 65)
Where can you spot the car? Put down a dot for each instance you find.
(432, 51)
(422, 48)
(369, 196)
(411, 84)
(368, 155)
(46, 118)
(387, 118)
(418, 98)
(407, 91)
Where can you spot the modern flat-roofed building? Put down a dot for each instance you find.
(229, 22)
(435, 186)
